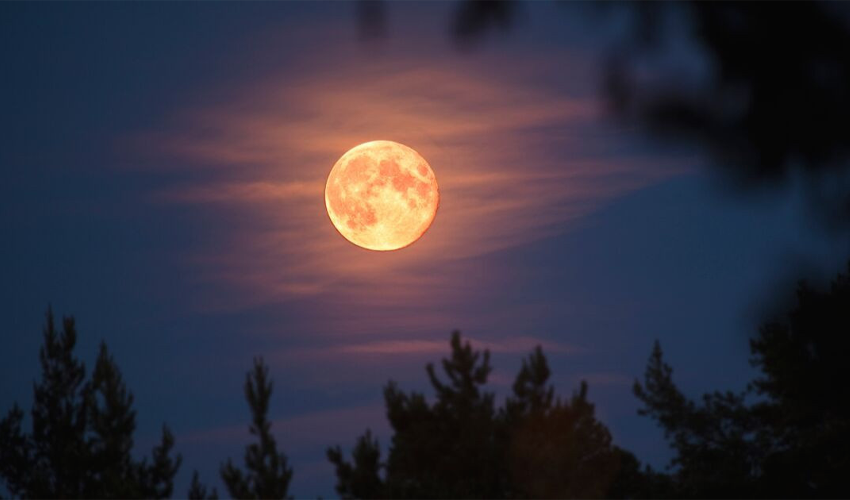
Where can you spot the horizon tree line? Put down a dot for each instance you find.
(787, 434)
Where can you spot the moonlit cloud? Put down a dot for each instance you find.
(427, 348)
(516, 162)
(239, 192)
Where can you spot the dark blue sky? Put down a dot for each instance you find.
(162, 168)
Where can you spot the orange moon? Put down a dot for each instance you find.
(382, 195)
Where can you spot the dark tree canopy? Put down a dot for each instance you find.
(462, 446)
(775, 101)
(267, 473)
(445, 449)
(772, 104)
(788, 434)
(474, 19)
(82, 432)
(362, 478)
(198, 491)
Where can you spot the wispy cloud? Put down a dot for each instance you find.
(240, 192)
(516, 162)
(303, 432)
(354, 352)
(512, 345)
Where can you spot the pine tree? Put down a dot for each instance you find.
(788, 434)
(362, 477)
(715, 455)
(267, 474)
(805, 408)
(112, 421)
(532, 391)
(557, 448)
(197, 491)
(461, 446)
(157, 479)
(82, 432)
(445, 450)
(59, 418)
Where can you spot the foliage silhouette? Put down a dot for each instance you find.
(557, 448)
(362, 478)
(793, 439)
(786, 435)
(197, 491)
(473, 19)
(371, 19)
(774, 99)
(775, 103)
(462, 446)
(82, 432)
(268, 473)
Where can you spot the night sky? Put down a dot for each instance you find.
(161, 178)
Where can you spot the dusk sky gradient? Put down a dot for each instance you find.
(163, 167)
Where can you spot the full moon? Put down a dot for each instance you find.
(382, 195)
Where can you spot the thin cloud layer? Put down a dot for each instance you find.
(516, 162)
(427, 349)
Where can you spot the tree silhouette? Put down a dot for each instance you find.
(156, 479)
(793, 439)
(461, 446)
(473, 19)
(532, 391)
(763, 122)
(446, 449)
(360, 479)
(82, 432)
(770, 108)
(557, 448)
(112, 422)
(715, 452)
(267, 474)
(806, 415)
(197, 491)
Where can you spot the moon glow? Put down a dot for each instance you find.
(382, 195)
